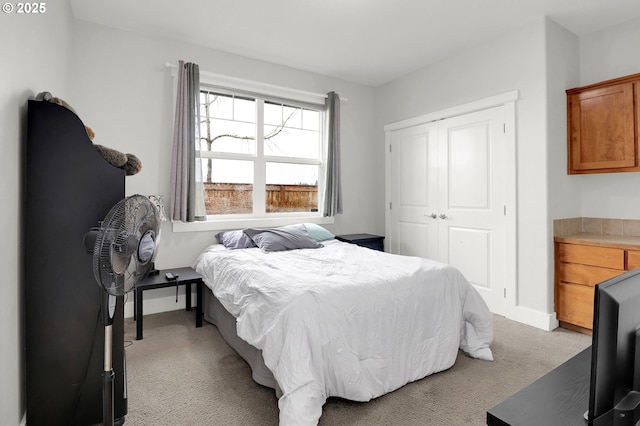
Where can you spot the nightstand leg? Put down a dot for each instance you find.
(187, 294)
(139, 314)
(199, 304)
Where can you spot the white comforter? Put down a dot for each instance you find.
(346, 321)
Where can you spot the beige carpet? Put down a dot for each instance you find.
(180, 375)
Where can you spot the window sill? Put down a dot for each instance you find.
(227, 224)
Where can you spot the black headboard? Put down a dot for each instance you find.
(68, 189)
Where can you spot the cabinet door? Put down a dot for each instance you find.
(574, 304)
(633, 259)
(602, 133)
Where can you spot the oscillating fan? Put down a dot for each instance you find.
(125, 247)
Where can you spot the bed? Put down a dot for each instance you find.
(316, 317)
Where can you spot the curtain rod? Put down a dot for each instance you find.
(244, 82)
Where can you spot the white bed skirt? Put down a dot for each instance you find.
(217, 315)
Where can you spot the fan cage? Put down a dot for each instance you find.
(126, 245)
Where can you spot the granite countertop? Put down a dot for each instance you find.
(615, 241)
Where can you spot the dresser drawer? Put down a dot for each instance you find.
(591, 255)
(585, 274)
(574, 304)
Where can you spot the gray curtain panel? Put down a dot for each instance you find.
(187, 188)
(333, 180)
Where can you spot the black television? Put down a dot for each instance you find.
(614, 393)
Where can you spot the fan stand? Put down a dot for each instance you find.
(108, 375)
(124, 247)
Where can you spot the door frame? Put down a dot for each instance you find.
(508, 101)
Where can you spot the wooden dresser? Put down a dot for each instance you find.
(581, 262)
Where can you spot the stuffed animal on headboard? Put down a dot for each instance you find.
(129, 162)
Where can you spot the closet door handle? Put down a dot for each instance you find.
(442, 216)
(433, 216)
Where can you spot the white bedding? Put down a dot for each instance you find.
(346, 321)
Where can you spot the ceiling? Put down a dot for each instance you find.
(364, 41)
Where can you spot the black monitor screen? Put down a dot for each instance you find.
(614, 355)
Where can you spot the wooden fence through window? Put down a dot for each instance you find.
(229, 198)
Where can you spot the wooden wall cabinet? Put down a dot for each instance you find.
(603, 122)
(578, 269)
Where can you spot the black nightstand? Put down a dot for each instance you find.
(186, 276)
(374, 242)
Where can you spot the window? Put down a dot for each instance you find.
(260, 157)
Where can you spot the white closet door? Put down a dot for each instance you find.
(415, 191)
(448, 197)
(471, 200)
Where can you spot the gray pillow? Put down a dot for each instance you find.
(235, 239)
(283, 238)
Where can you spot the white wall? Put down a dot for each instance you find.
(605, 55)
(34, 55)
(496, 67)
(564, 193)
(122, 89)
(563, 72)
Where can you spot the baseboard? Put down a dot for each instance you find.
(164, 300)
(543, 320)
(160, 300)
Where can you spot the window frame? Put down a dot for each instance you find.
(269, 93)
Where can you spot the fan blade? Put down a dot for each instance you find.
(120, 258)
